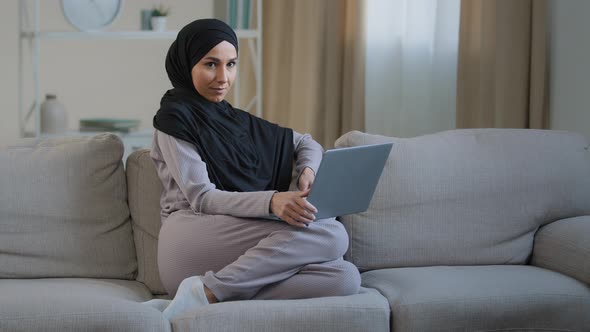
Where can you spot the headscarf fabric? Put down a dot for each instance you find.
(242, 152)
(192, 43)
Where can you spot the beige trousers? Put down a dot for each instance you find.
(241, 258)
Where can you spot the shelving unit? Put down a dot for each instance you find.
(78, 35)
(29, 30)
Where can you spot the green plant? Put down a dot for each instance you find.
(160, 10)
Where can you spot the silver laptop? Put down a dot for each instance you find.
(346, 179)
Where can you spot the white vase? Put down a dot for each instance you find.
(159, 23)
(54, 119)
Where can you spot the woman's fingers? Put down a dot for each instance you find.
(301, 215)
(301, 210)
(292, 221)
(295, 223)
(293, 208)
(302, 202)
(305, 185)
(304, 193)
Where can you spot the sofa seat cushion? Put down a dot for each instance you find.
(366, 311)
(69, 304)
(476, 298)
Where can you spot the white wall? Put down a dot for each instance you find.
(93, 78)
(8, 71)
(570, 65)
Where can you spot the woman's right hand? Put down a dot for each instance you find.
(293, 208)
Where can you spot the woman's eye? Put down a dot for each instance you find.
(232, 64)
(210, 64)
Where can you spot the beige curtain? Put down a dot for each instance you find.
(502, 72)
(313, 66)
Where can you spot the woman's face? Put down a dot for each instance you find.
(214, 74)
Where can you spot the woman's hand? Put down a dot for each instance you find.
(306, 179)
(293, 208)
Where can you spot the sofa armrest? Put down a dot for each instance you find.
(564, 246)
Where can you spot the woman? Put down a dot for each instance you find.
(223, 172)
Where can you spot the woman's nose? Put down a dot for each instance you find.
(222, 74)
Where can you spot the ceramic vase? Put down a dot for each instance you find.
(54, 119)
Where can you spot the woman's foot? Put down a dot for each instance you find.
(159, 304)
(190, 295)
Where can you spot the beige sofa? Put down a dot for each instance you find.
(469, 230)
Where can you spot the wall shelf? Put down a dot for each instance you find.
(30, 34)
(114, 35)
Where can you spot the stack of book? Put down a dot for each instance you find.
(104, 124)
(238, 14)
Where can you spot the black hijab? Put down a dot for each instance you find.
(242, 152)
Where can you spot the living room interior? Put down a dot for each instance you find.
(102, 78)
(478, 223)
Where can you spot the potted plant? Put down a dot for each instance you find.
(158, 19)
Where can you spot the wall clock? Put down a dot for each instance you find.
(91, 15)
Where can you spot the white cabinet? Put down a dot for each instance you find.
(30, 35)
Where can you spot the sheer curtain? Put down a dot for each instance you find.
(411, 66)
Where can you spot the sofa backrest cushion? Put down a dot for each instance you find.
(63, 209)
(471, 196)
(145, 188)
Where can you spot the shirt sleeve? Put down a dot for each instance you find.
(308, 153)
(190, 173)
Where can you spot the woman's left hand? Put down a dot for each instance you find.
(306, 179)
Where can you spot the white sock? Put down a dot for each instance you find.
(159, 304)
(190, 295)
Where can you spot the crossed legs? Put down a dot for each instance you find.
(241, 259)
